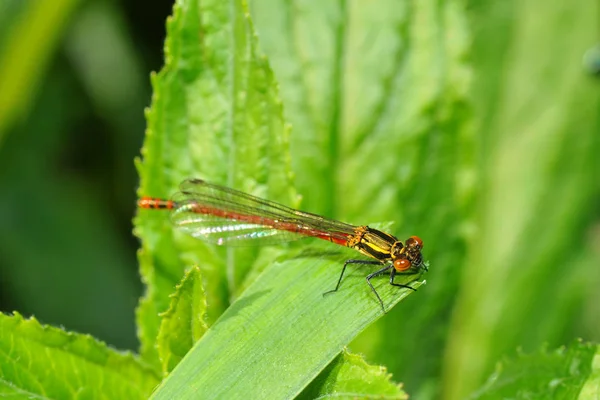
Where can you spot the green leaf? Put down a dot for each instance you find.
(350, 377)
(379, 101)
(557, 374)
(43, 361)
(376, 97)
(184, 323)
(277, 337)
(215, 115)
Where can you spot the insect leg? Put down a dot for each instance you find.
(393, 275)
(368, 262)
(374, 274)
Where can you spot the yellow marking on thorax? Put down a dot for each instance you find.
(376, 243)
(373, 244)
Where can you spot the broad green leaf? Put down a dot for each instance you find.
(556, 374)
(277, 337)
(28, 36)
(378, 98)
(216, 115)
(45, 362)
(350, 377)
(184, 323)
(532, 270)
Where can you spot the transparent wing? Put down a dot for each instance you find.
(222, 215)
(223, 231)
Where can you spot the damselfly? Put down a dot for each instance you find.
(222, 216)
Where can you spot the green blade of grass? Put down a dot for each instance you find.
(277, 337)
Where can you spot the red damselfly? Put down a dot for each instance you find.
(222, 216)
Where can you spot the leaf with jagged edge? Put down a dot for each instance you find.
(216, 115)
(564, 373)
(184, 323)
(39, 361)
(350, 377)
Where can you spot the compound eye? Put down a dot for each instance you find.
(401, 264)
(416, 240)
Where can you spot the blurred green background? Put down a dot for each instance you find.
(74, 81)
(514, 241)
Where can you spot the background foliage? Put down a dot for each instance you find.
(473, 125)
